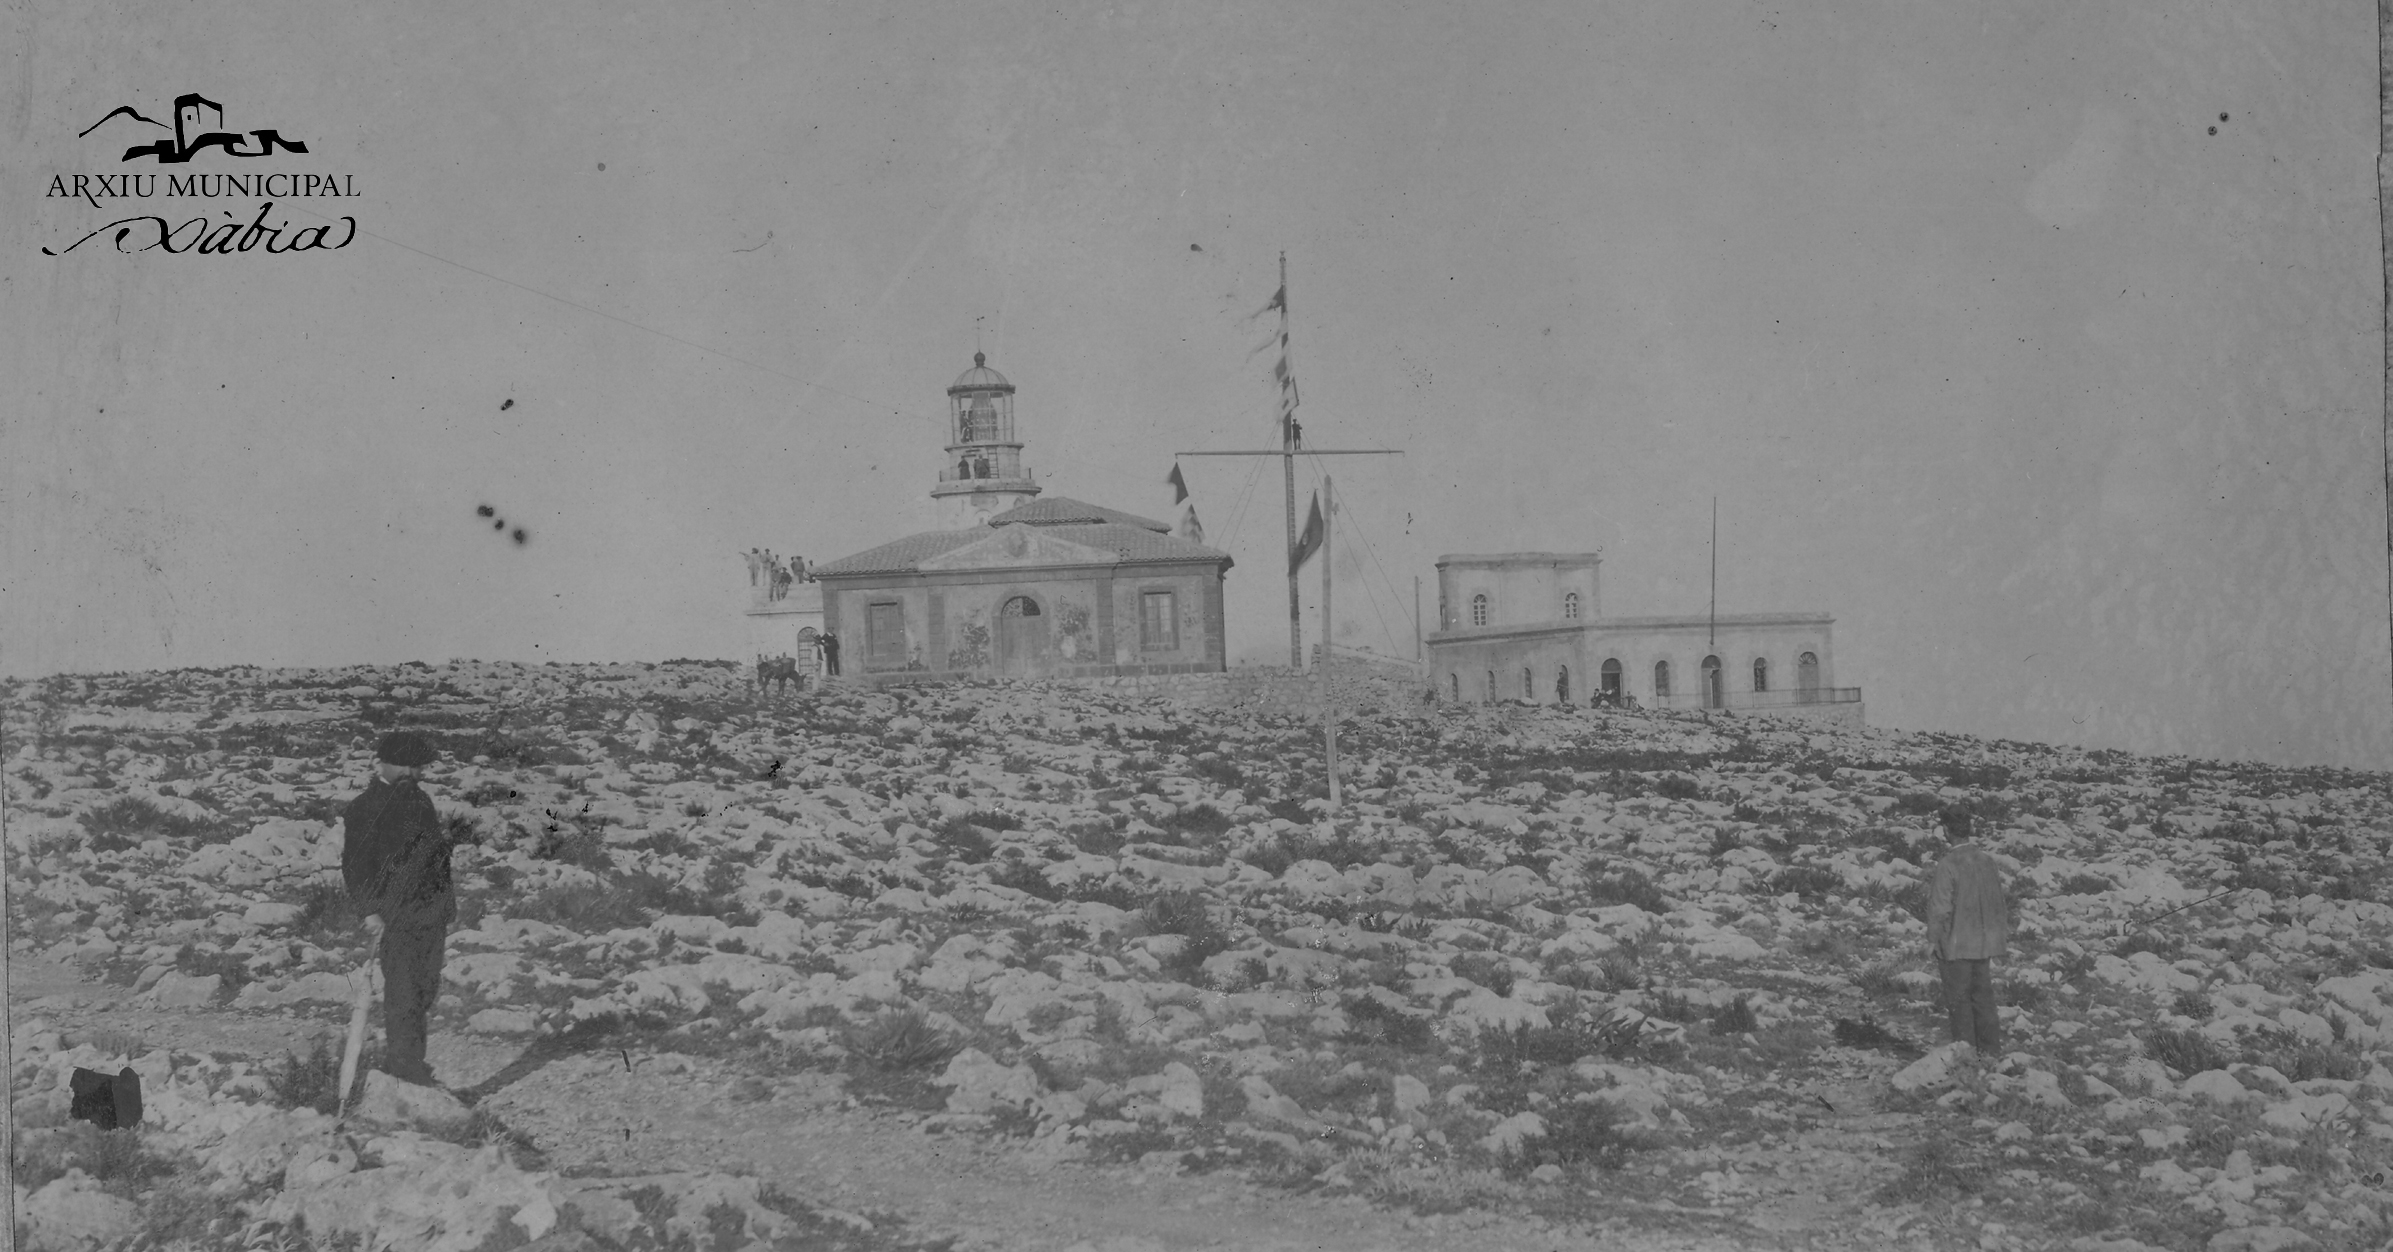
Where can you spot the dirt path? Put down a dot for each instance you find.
(620, 1115)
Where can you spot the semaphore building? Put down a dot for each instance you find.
(1529, 626)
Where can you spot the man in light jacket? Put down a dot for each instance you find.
(1968, 925)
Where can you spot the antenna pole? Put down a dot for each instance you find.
(1296, 628)
(1711, 625)
(1329, 712)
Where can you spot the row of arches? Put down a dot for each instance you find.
(1610, 681)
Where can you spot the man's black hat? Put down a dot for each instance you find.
(1956, 820)
(405, 747)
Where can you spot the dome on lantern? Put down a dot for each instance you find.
(980, 378)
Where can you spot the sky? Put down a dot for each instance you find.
(2041, 344)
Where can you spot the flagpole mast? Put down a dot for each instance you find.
(1291, 443)
(1296, 630)
(1711, 624)
(1329, 712)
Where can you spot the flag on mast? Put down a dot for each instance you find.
(1178, 484)
(1308, 542)
(1191, 529)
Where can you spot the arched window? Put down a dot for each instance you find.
(1455, 684)
(1761, 673)
(1528, 684)
(1479, 610)
(1714, 685)
(1570, 606)
(1021, 606)
(1562, 685)
(1491, 686)
(1807, 673)
(1661, 679)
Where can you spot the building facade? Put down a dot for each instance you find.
(1018, 586)
(1528, 626)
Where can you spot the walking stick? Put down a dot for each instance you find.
(364, 978)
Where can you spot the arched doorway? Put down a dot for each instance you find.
(810, 653)
(1761, 673)
(1562, 685)
(1021, 636)
(1807, 675)
(1528, 685)
(1661, 680)
(1715, 688)
(1611, 679)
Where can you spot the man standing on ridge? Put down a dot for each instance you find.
(1968, 926)
(395, 862)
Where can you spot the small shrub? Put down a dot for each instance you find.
(2193, 1004)
(1371, 1020)
(1935, 1167)
(901, 1039)
(1677, 787)
(1671, 1006)
(1805, 879)
(1866, 1033)
(1578, 1134)
(1628, 886)
(127, 820)
(1487, 969)
(108, 1156)
(2084, 885)
(2188, 1052)
(314, 1081)
(1198, 819)
(1618, 971)
(1734, 1018)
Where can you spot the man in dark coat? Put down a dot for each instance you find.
(395, 860)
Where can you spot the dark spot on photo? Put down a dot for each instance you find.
(484, 510)
(506, 404)
(520, 536)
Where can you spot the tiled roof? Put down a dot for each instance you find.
(1066, 511)
(1138, 543)
(1131, 543)
(900, 556)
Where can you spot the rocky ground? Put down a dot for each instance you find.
(1026, 967)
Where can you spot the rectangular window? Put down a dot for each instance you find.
(1158, 622)
(885, 633)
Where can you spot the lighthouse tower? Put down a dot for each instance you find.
(983, 475)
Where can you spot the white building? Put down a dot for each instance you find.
(1530, 626)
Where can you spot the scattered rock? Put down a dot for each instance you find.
(184, 991)
(1935, 1070)
(2261, 1239)
(72, 1214)
(389, 1102)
